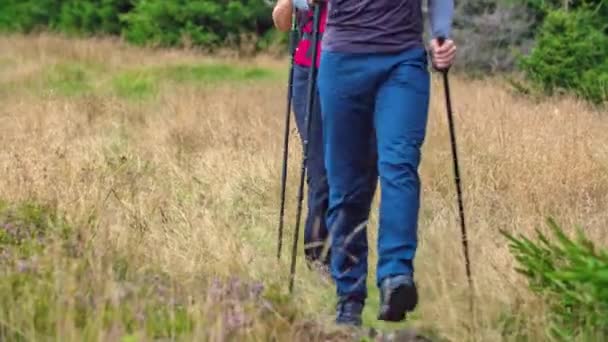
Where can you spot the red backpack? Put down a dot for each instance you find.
(303, 54)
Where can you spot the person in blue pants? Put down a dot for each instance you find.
(316, 250)
(374, 88)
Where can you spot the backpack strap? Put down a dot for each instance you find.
(307, 18)
(309, 35)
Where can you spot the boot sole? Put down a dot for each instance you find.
(403, 299)
(349, 322)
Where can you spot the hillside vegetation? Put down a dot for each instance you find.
(558, 45)
(139, 201)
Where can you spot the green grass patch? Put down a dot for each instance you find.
(208, 73)
(59, 281)
(69, 79)
(144, 83)
(137, 85)
(25, 286)
(23, 228)
(74, 79)
(5, 63)
(48, 277)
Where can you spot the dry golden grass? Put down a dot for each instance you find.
(186, 184)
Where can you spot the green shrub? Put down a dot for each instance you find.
(204, 23)
(93, 16)
(572, 275)
(541, 8)
(570, 53)
(201, 23)
(594, 83)
(69, 16)
(28, 15)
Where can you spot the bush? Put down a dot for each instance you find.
(93, 16)
(594, 83)
(205, 23)
(168, 23)
(69, 16)
(492, 34)
(201, 23)
(570, 53)
(541, 8)
(27, 15)
(572, 275)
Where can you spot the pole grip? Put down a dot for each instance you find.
(440, 41)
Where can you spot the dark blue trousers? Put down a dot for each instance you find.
(375, 109)
(315, 229)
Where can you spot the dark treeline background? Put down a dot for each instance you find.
(556, 44)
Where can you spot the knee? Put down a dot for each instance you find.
(399, 163)
(316, 168)
(319, 188)
(352, 203)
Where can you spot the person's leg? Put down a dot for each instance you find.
(315, 231)
(298, 101)
(347, 88)
(400, 118)
(316, 235)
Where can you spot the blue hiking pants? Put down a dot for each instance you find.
(315, 229)
(375, 109)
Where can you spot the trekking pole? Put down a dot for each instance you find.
(312, 76)
(293, 42)
(465, 244)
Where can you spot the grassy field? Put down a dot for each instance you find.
(139, 199)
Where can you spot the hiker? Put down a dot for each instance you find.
(315, 231)
(374, 87)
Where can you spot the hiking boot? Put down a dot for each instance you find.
(349, 312)
(398, 295)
